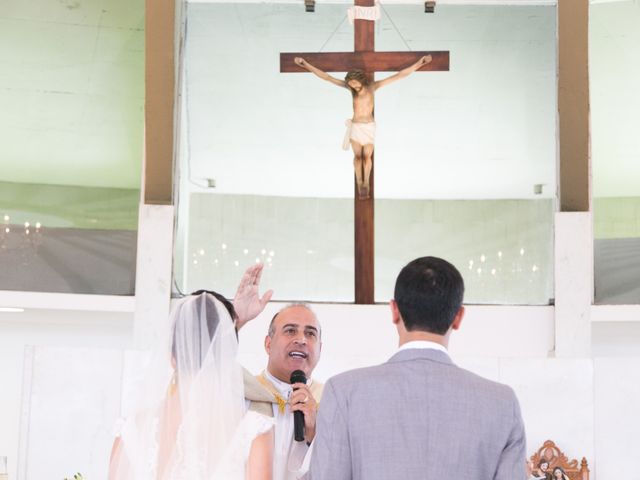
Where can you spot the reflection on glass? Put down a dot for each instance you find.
(503, 248)
(614, 39)
(270, 143)
(466, 159)
(301, 241)
(68, 239)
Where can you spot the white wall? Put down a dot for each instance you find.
(360, 335)
(353, 336)
(54, 328)
(581, 403)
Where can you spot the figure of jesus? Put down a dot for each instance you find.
(361, 129)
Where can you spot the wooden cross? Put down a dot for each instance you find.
(365, 58)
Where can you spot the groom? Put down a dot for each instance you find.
(419, 416)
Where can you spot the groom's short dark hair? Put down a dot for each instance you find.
(429, 293)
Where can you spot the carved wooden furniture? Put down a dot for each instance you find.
(556, 458)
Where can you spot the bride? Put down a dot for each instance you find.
(189, 422)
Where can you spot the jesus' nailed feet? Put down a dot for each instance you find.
(363, 192)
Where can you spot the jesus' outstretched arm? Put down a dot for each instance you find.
(403, 73)
(319, 73)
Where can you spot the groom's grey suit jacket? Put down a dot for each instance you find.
(418, 416)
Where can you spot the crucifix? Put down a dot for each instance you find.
(365, 58)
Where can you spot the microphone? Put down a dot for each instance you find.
(298, 376)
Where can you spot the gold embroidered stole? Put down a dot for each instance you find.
(273, 391)
(316, 389)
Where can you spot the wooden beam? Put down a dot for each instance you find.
(159, 101)
(367, 61)
(363, 214)
(364, 34)
(573, 105)
(364, 244)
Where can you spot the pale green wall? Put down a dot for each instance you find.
(615, 117)
(71, 112)
(616, 217)
(72, 92)
(614, 73)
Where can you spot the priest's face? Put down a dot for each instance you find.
(293, 342)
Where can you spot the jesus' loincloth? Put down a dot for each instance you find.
(362, 133)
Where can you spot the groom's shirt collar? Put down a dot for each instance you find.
(423, 344)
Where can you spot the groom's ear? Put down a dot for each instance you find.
(457, 321)
(395, 312)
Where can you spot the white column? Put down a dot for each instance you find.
(573, 283)
(617, 390)
(153, 271)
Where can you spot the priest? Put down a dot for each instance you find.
(293, 342)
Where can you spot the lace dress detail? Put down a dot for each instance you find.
(232, 465)
(192, 460)
(152, 458)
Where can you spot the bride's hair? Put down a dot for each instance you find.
(196, 323)
(227, 304)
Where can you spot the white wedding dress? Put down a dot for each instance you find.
(190, 421)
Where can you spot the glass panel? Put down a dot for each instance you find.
(71, 121)
(262, 173)
(615, 114)
(301, 241)
(502, 247)
(68, 239)
(475, 179)
(261, 168)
